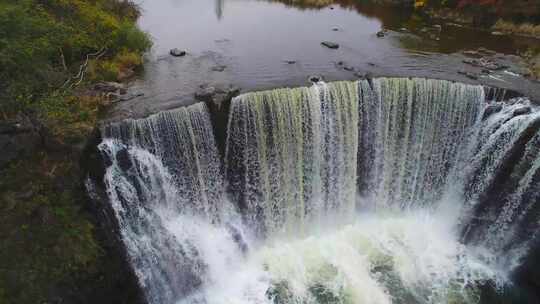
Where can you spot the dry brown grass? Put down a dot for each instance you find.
(524, 29)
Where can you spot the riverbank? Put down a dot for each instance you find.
(519, 18)
(58, 59)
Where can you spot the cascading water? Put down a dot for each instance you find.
(291, 155)
(164, 172)
(346, 192)
(412, 134)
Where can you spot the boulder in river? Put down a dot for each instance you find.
(492, 109)
(468, 75)
(330, 45)
(178, 52)
(216, 97)
(219, 68)
(315, 78)
(521, 111)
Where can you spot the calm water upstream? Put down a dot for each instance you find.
(266, 44)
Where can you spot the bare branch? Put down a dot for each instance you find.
(82, 69)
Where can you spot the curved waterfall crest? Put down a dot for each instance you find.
(322, 192)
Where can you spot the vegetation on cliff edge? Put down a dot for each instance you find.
(51, 52)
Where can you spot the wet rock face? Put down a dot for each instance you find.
(216, 97)
(17, 138)
(218, 100)
(491, 109)
(119, 283)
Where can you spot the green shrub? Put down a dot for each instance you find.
(43, 43)
(129, 37)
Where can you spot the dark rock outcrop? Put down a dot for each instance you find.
(492, 109)
(119, 284)
(218, 101)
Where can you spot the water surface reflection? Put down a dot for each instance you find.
(258, 44)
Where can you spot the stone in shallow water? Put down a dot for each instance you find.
(468, 75)
(315, 78)
(178, 52)
(219, 68)
(330, 45)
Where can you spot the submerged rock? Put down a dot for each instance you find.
(359, 75)
(468, 75)
(330, 45)
(219, 68)
(178, 52)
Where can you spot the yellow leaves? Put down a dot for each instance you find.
(419, 3)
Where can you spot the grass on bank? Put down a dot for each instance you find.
(48, 248)
(44, 43)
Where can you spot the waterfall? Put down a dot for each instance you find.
(412, 134)
(163, 170)
(291, 155)
(502, 182)
(392, 190)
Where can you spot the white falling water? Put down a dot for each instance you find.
(165, 170)
(412, 134)
(291, 155)
(347, 192)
